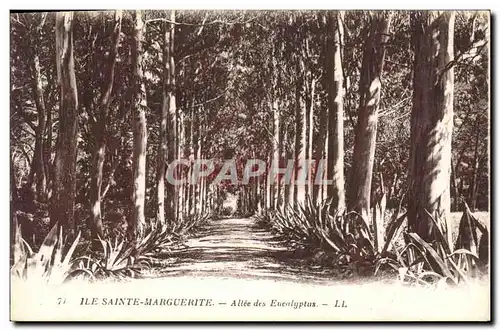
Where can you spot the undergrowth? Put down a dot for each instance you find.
(343, 240)
(60, 259)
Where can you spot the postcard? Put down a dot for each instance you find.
(250, 165)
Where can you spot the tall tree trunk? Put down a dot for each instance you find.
(319, 155)
(140, 129)
(172, 138)
(258, 202)
(300, 136)
(47, 150)
(310, 133)
(431, 121)
(285, 155)
(38, 156)
(454, 188)
(321, 145)
(268, 184)
(335, 160)
(62, 205)
(180, 170)
(14, 194)
(324, 185)
(292, 189)
(475, 170)
(162, 134)
(190, 188)
(198, 185)
(276, 153)
(99, 131)
(39, 170)
(366, 129)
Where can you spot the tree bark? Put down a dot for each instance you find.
(180, 170)
(38, 157)
(310, 133)
(190, 188)
(454, 188)
(198, 185)
(268, 185)
(431, 121)
(292, 189)
(475, 170)
(324, 186)
(163, 137)
(170, 102)
(335, 160)
(276, 153)
(318, 156)
(64, 191)
(366, 130)
(300, 136)
(99, 131)
(39, 171)
(138, 220)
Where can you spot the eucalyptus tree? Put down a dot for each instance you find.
(62, 204)
(431, 121)
(370, 90)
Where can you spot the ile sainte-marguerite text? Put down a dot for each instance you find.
(176, 302)
(204, 302)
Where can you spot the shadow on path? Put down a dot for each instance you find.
(238, 248)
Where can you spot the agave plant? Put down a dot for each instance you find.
(341, 233)
(442, 260)
(122, 258)
(118, 260)
(189, 223)
(49, 264)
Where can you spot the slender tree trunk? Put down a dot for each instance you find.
(14, 194)
(255, 190)
(324, 186)
(198, 185)
(180, 170)
(454, 187)
(475, 170)
(310, 134)
(190, 188)
(140, 128)
(431, 121)
(47, 150)
(321, 146)
(38, 157)
(300, 136)
(172, 145)
(335, 160)
(292, 196)
(366, 129)
(203, 195)
(99, 131)
(203, 180)
(64, 192)
(38, 171)
(268, 185)
(285, 155)
(276, 152)
(162, 135)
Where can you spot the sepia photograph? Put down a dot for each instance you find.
(250, 165)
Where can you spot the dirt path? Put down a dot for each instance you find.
(238, 248)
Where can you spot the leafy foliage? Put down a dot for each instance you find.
(52, 263)
(442, 261)
(345, 235)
